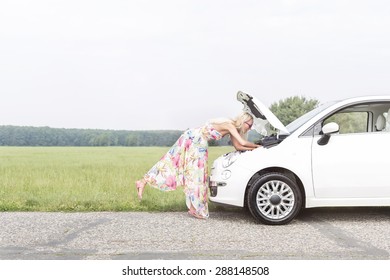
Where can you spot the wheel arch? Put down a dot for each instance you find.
(281, 170)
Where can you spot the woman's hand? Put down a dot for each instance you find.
(243, 145)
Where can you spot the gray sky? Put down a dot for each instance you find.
(173, 64)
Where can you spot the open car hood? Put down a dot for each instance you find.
(262, 116)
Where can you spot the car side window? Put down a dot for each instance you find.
(350, 122)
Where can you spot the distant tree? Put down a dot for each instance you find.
(291, 108)
(132, 140)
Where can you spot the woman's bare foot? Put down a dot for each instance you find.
(193, 213)
(140, 185)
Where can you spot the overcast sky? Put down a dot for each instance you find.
(173, 64)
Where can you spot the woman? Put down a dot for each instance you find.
(185, 164)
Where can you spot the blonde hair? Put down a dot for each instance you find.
(237, 122)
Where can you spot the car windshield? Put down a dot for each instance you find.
(294, 125)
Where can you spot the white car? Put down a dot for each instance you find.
(335, 155)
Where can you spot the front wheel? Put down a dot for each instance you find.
(274, 199)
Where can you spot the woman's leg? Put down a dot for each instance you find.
(140, 185)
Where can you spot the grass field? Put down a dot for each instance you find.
(84, 179)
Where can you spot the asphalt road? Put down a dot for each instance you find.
(336, 233)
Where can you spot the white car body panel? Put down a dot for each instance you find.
(351, 174)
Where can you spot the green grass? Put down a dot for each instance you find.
(84, 179)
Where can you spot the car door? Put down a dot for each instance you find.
(352, 165)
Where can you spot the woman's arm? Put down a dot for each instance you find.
(238, 142)
(239, 147)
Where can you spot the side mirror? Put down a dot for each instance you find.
(327, 130)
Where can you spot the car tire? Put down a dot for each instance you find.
(274, 199)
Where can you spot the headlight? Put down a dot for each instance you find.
(230, 158)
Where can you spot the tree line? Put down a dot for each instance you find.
(46, 136)
(286, 110)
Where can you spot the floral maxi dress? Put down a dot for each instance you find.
(185, 164)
